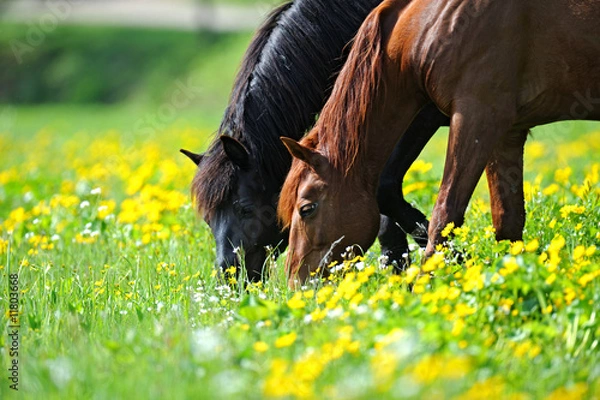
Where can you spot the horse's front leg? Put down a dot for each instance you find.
(389, 195)
(505, 181)
(393, 242)
(474, 131)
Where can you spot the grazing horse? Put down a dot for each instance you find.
(496, 67)
(284, 81)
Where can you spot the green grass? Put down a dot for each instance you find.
(118, 298)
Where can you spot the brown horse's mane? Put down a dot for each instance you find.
(343, 122)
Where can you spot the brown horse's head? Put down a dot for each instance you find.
(325, 210)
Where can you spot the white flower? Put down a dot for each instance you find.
(213, 299)
(28, 197)
(205, 344)
(96, 191)
(335, 313)
(61, 371)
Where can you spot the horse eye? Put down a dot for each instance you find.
(308, 209)
(246, 212)
(243, 211)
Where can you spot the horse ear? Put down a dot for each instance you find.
(236, 151)
(303, 153)
(196, 158)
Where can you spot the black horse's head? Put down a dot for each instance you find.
(239, 203)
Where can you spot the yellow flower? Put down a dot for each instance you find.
(412, 187)
(473, 279)
(448, 229)
(562, 175)
(550, 190)
(534, 351)
(571, 209)
(587, 278)
(555, 246)
(411, 273)
(491, 388)
(516, 248)
(296, 302)
(323, 294)
(434, 262)
(231, 270)
(532, 246)
(575, 392)
(430, 368)
(106, 208)
(278, 383)
(286, 340)
(550, 279)
(547, 310)
(260, 347)
(3, 246)
(510, 266)
(458, 327)
(578, 252)
(505, 305)
(535, 150)
(420, 166)
(590, 251)
(569, 295)
(462, 310)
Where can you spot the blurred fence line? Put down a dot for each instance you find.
(157, 14)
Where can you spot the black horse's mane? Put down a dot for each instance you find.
(284, 80)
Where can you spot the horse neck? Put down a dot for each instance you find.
(383, 129)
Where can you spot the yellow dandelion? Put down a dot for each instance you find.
(411, 273)
(516, 248)
(463, 310)
(510, 265)
(260, 347)
(296, 302)
(434, 262)
(457, 327)
(590, 251)
(448, 229)
(550, 190)
(532, 246)
(286, 340)
(550, 279)
(562, 175)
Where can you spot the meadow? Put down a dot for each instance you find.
(108, 288)
(117, 296)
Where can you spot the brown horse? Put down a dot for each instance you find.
(496, 67)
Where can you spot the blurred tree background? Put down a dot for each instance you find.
(131, 54)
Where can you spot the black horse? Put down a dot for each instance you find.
(284, 80)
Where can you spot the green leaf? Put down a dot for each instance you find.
(255, 309)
